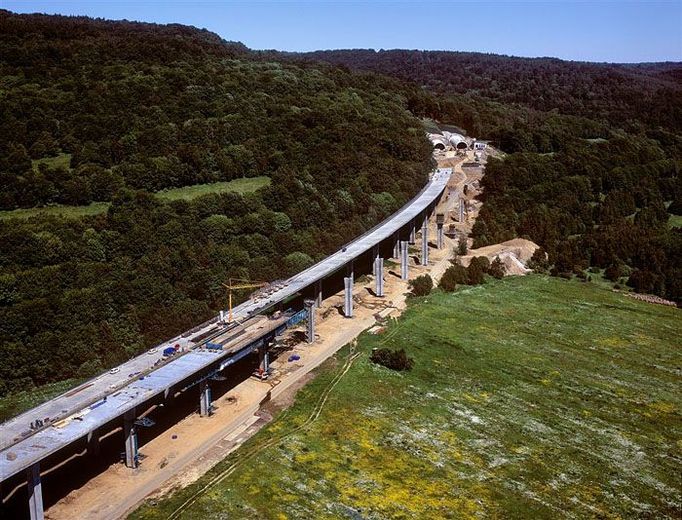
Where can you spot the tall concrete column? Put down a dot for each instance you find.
(130, 436)
(461, 210)
(318, 294)
(425, 241)
(379, 276)
(396, 247)
(403, 260)
(93, 443)
(310, 328)
(35, 492)
(413, 234)
(264, 366)
(205, 401)
(440, 221)
(348, 292)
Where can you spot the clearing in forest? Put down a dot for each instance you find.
(529, 397)
(241, 186)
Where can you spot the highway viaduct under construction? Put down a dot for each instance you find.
(122, 398)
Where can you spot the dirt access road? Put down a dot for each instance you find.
(186, 450)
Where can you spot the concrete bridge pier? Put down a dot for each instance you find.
(440, 221)
(378, 271)
(461, 210)
(205, 401)
(130, 436)
(93, 443)
(264, 366)
(310, 327)
(318, 294)
(35, 492)
(413, 234)
(379, 268)
(396, 246)
(425, 241)
(348, 292)
(404, 260)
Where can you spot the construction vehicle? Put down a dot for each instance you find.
(240, 284)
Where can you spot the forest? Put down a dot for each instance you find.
(630, 96)
(127, 109)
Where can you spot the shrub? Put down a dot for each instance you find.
(539, 262)
(393, 359)
(497, 269)
(422, 285)
(462, 246)
(613, 272)
(454, 275)
(476, 271)
(482, 261)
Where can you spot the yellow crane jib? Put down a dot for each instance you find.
(235, 284)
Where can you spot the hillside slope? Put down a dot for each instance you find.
(618, 94)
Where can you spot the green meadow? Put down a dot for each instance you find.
(530, 397)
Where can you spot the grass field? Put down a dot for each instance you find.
(245, 185)
(531, 397)
(57, 210)
(675, 221)
(61, 160)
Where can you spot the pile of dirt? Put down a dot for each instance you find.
(513, 253)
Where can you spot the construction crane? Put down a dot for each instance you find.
(240, 284)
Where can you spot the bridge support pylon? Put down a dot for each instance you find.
(310, 327)
(425, 241)
(378, 269)
(93, 443)
(130, 436)
(35, 492)
(404, 261)
(348, 292)
(264, 365)
(440, 221)
(205, 401)
(413, 234)
(318, 294)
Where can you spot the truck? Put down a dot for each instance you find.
(168, 351)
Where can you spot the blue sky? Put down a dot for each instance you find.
(620, 31)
